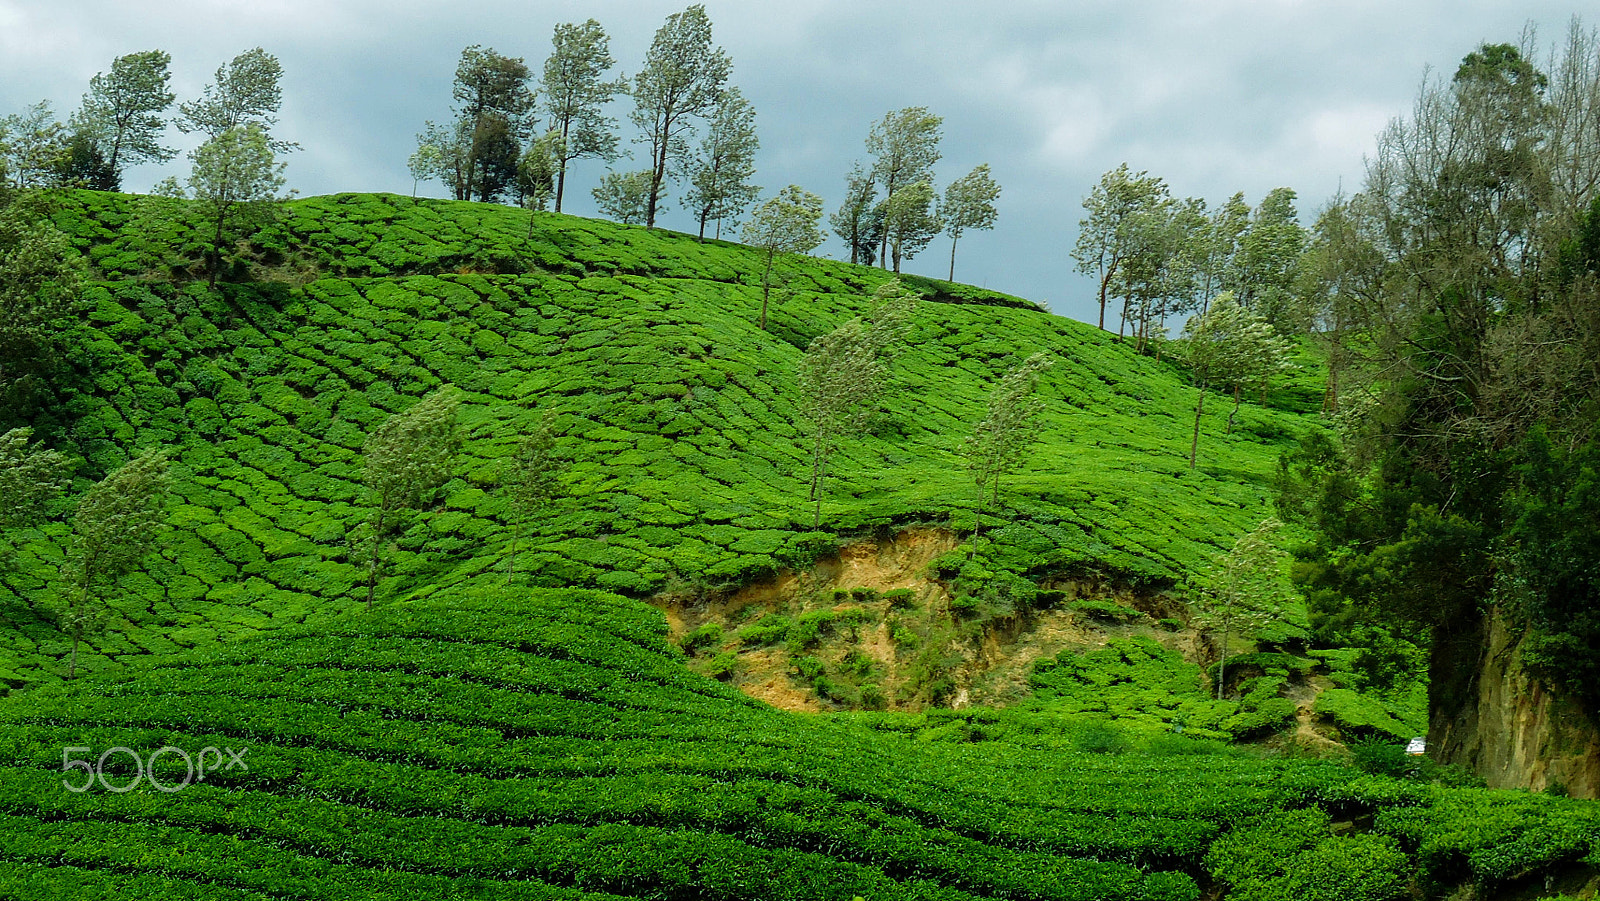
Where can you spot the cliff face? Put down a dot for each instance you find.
(1491, 716)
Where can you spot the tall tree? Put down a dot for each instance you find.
(236, 180)
(530, 483)
(784, 224)
(1265, 264)
(117, 524)
(41, 274)
(681, 81)
(409, 458)
(843, 375)
(857, 221)
(1232, 346)
(574, 92)
(122, 111)
(1000, 441)
(494, 102)
(905, 145)
(968, 203)
(909, 221)
(246, 90)
(1110, 234)
(720, 172)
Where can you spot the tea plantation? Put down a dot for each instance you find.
(476, 736)
(679, 414)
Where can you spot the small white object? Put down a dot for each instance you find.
(1417, 747)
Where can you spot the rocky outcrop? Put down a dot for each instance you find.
(1493, 717)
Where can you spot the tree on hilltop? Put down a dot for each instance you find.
(720, 172)
(904, 145)
(681, 81)
(858, 221)
(245, 91)
(1110, 235)
(784, 224)
(909, 221)
(625, 196)
(236, 180)
(121, 113)
(492, 120)
(968, 203)
(573, 91)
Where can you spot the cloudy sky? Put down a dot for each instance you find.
(1216, 96)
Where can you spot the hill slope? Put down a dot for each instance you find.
(678, 412)
(252, 735)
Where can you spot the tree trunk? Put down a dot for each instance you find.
(1222, 665)
(703, 215)
(766, 287)
(1194, 446)
(658, 174)
(816, 516)
(511, 562)
(1237, 398)
(953, 240)
(372, 566)
(977, 515)
(216, 247)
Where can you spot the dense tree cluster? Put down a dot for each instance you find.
(1459, 292)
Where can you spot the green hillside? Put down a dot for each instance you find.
(534, 743)
(678, 411)
(470, 738)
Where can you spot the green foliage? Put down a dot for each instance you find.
(122, 111)
(117, 523)
(529, 480)
(409, 458)
(769, 629)
(624, 196)
(1359, 716)
(235, 179)
(682, 80)
(1136, 680)
(999, 443)
(30, 477)
(644, 342)
(968, 202)
(706, 636)
(573, 92)
(784, 224)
